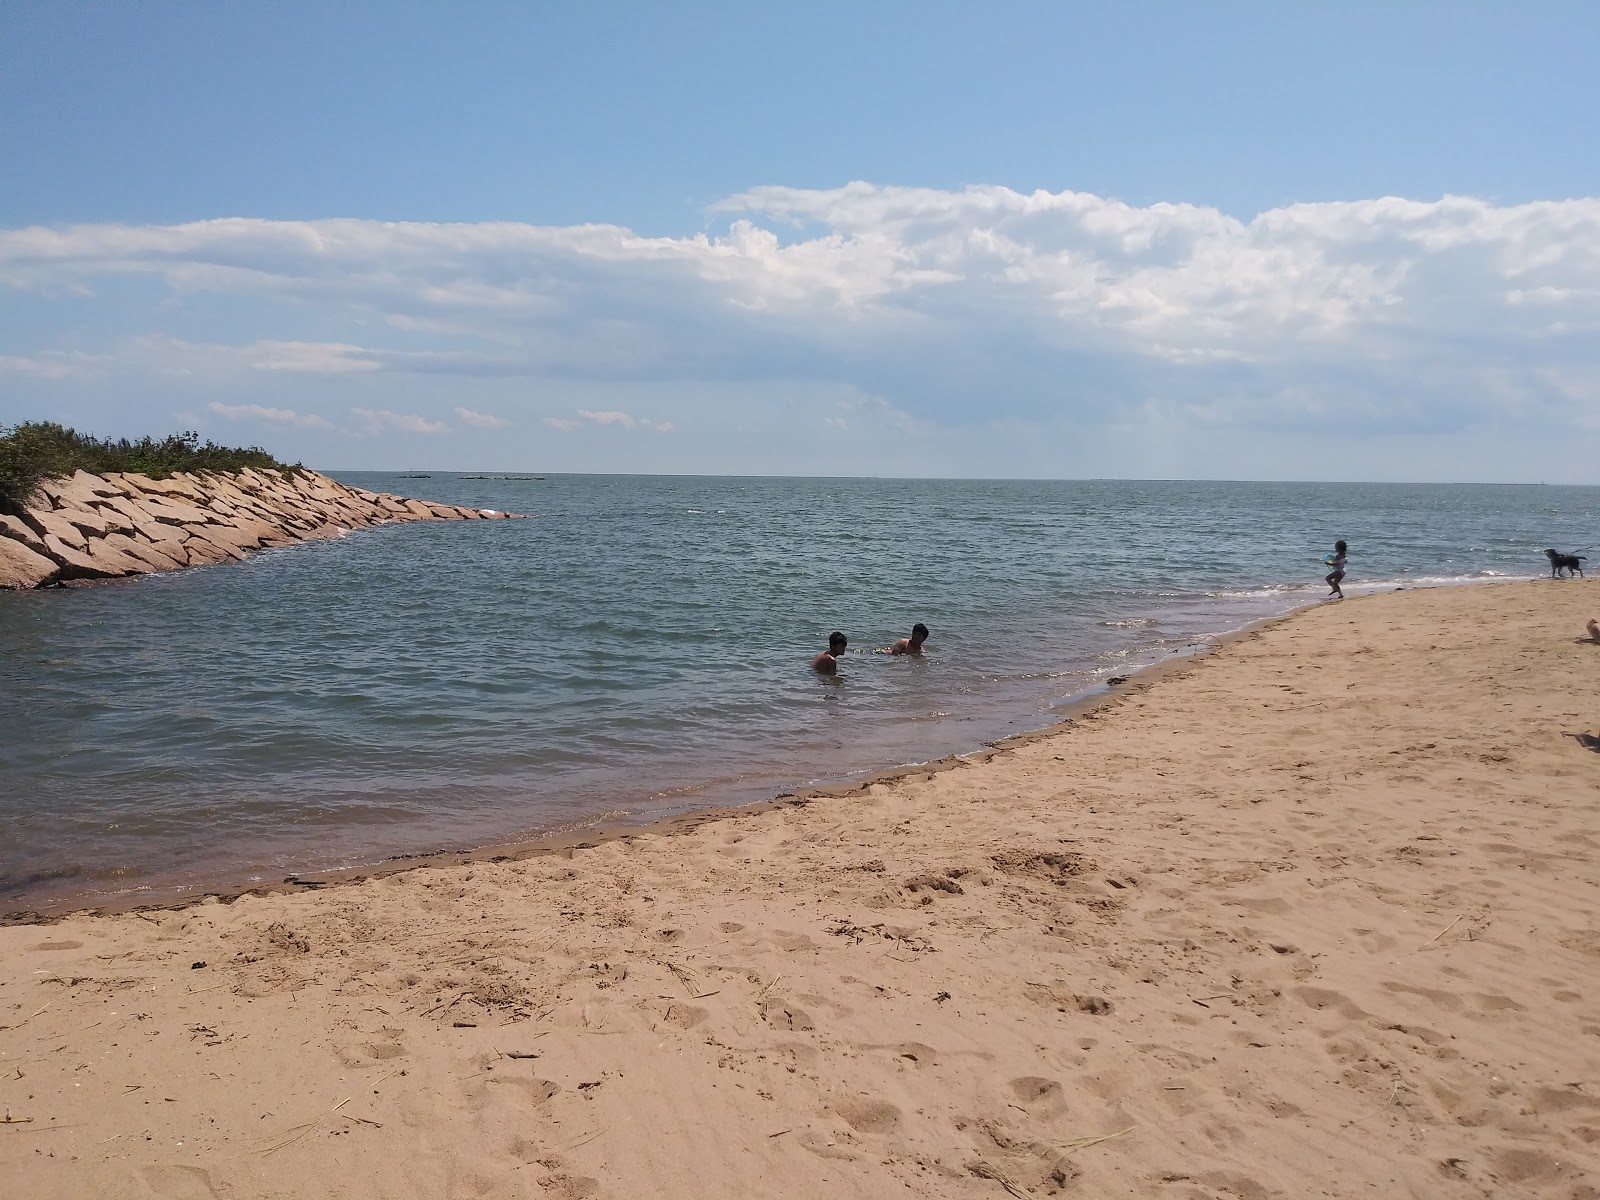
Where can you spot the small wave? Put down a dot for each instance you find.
(1131, 623)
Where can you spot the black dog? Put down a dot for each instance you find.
(1560, 562)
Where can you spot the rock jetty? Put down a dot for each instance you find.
(90, 527)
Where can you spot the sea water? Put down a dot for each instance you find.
(638, 649)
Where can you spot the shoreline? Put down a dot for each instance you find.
(560, 841)
(587, 837)
(1316, 912)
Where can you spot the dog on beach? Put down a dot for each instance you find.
(1594, 629)
(1560, 562)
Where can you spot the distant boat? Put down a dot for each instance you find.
(416, 476)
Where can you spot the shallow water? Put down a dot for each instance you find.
(638, 650)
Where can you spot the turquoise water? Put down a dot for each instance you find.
(640, 649)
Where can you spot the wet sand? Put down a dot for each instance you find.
(1317, 914)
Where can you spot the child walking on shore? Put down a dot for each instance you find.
(1337, 563)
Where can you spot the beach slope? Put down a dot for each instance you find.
(1318, 915)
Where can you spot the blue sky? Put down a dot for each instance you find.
(1338, 241)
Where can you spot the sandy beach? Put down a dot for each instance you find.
(1316, 915)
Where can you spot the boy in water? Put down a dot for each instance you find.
(1334, 576)
(827, 663)
(912, 644)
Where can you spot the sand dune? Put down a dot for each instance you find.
(1317, 916)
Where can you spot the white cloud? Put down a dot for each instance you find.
(378, 419)
(53, 364)
(480, 420)
(275, 416)
(604, 418)
(953, 306)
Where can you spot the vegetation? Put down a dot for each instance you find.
(36, 450)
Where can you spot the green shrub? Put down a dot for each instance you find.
(36, 450)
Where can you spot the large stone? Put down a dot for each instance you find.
(140, 551)
(126, 506)
(174, 487)
(45, 521)
(166, 538)
(174, 512)
(19, 530)
(91, 521)
(262, 533)
(202, 552)
(81, 490)
(420, 509)
(21, 567)
(107, 564)
(225, 537)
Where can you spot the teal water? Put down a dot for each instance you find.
(639, 649)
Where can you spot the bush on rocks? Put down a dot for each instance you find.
(36, 450)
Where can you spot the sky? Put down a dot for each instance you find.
(1235, 240)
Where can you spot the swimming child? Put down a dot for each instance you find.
(827, 663)
(912, 644)
(1334, 576)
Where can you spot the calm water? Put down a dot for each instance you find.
(639, 650)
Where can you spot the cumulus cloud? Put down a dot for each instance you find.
(274, 416)
(376, 420)
(952, 305)
(480, 420)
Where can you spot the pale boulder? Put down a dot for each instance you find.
(56, 524)
(80, 491)
(127, 507)
(90, 520)
(78, 564)
(21, 567)
(19, 530)
(141, 551)
(175, 512)
(234, 541)
(202, 552)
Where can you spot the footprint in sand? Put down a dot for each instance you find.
(179, 1183)
(800, 1053)
(1519, 1165)
(780, 1014)
(1064, 1001)
(824, 1146)
(869, 1116)
(361, 1054)
(1040, 1096)
(561, 1186)
(684, 1016)
(1322, 998)
(534, 1091)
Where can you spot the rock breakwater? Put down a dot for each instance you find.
(91, 527)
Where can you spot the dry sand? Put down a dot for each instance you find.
(1316, 916)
